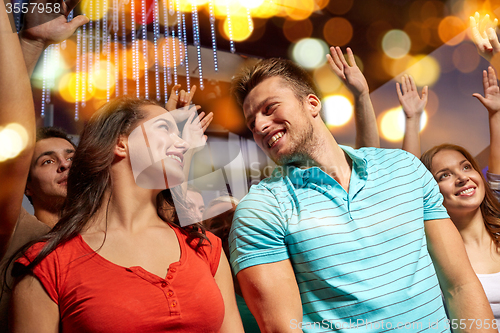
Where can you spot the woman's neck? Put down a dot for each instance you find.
(472, 229)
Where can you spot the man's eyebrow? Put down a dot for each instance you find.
(264, 102)
(69, 151)
(260, 106)
(45, 153)
(171, 124)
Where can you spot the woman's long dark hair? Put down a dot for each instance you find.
(490, 207)
(89, 177)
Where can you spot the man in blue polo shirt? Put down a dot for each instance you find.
(342, 239)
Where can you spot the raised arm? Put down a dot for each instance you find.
(485, 38)
(413, 106)
(42, 29)
(272, 295)
(355, 81)
(16, 106)
(466, 302)
(491, 102)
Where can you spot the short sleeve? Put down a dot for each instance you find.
(433, 199)
(494, 182)
(47, 271)
(258, 231)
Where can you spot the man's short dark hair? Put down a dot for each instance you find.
(295, 76)
(53, 132)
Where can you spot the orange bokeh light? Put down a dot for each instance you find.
(299, 9)
(338, 31)
(339, 7)
(296, 30)
(449, 30)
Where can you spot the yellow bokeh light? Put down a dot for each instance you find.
(267, 9)
(241, 28)
(310, 52)
(390, 127)
(396, 44)
(251, 4)
(337, 110)
(425, 70)
(102, 79)
(328, 82)
(299, 9)
(320, 4)
(89, 9)
(67, 87)
(12, 142)
(392, 124)
(235, 9)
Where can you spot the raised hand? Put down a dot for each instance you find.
(485, 36)
(413, 105)
(51, 26)
(179, 99)
(349, 73)
(491, 99)
(194, 129)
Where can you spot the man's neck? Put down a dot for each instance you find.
(329, 157)
(48, 217)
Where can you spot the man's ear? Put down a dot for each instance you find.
(27, 190)
(314, 104)
(121, 147)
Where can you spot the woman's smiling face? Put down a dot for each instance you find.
(166, 147)
(460, 184)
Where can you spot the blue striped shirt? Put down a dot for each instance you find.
(360, 257)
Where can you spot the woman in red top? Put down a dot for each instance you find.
(118, 260)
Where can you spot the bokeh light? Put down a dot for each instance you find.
(413, 28)
(392, 124)
(320, 4)
(396, 44)
(326, 80)
(337, 110)
(101, 78)
(251, 4)
(429, 32)
(296, 30)
(67, 88)
(240, 28)
(13, 140)
(235, 8)
(465, 57)
(450, 30)
(338, 31)
(299, 9)
(339, 7)
(310, 52)
(93, 14)
(267, 9)
(171, 44)
(425, 70)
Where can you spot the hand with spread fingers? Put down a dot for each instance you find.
(491, 99)
(484, 35)
(413, 105)
(349, 73)
(194, 129)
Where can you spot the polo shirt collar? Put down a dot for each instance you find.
(300, 176)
